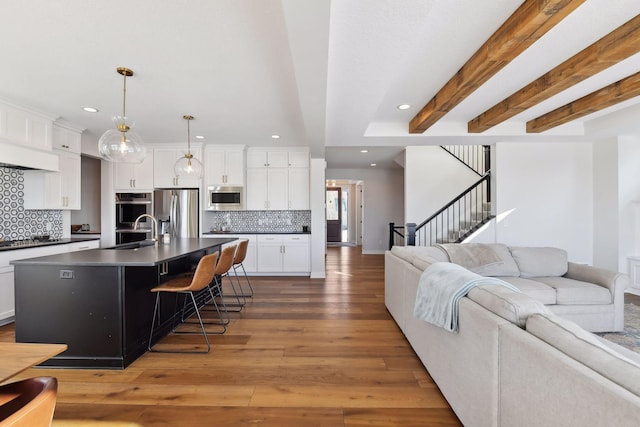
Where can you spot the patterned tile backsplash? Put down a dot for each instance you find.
(17, 222)
(257, 221)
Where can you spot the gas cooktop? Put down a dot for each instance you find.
(33, 241)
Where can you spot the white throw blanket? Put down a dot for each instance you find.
(440, 288)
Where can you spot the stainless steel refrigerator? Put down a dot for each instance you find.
(177, 212)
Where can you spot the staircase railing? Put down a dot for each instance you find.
(461, 217)
(475, 157)
(396, 235)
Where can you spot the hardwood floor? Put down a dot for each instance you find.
(303, 352)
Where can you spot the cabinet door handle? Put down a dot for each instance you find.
(164, 268)
(134, 183)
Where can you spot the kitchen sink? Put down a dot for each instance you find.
(133, 245)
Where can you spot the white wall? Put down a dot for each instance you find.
(605, 207)
(432, 178)
(317, 199)
(383, 202)
(628, 195)
(544, 196)
(90, 194)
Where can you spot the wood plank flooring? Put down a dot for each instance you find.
(303, 352)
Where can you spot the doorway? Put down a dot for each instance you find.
(334, 214)
(343, 212)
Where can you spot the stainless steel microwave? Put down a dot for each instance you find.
(225, 198)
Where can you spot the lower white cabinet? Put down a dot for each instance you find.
(7, 291)
(283, 253)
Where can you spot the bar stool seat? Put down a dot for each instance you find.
(28, 403)
(189, 285)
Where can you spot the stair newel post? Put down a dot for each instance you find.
(392, 226)
(411, 234)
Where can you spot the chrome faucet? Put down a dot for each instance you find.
(155, 228)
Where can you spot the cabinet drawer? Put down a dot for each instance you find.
(295, 238)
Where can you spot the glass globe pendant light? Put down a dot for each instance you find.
(188, 166)
(122, 144)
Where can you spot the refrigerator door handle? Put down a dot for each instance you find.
(173, 219)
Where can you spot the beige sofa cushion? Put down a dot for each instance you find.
(506, 267)
(513, 306)
(540, 261)
(584, 347)
(538, 290)
(569, 291)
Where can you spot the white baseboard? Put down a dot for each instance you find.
(373, 251)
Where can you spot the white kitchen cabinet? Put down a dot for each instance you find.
(298, 188)
(163, 175)
(66, 139)
(7, 288)
(55, 190)
(134, 176)
(224, 166)
(283, 253)
(263, 158)
(25, 127)
(267, 189)
(83, 246)
(277, 179)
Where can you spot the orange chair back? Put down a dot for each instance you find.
(226, 260)
(204, 272)
(241, 253)
(28, 403)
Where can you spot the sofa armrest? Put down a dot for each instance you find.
(612, 280)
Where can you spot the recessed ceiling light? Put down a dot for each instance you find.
(90, 109)
(364, 151)
(275, 136)
(199, 137)
(373, 164)
(404, 106)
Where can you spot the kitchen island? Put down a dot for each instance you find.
(98, 301)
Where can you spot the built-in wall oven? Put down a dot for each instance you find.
(129, 206)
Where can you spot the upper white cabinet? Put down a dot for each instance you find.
(224, 165)
(163, 161)
(25, 127)
(57, 190)
(134, 176)
(263, 158)
(277, 179)
(66, 139)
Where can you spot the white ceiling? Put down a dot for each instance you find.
(328, 74)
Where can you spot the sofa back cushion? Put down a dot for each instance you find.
(584, 347)
(506, 268)
(540, 261)
(515, 307)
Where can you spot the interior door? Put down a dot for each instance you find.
(334, 214)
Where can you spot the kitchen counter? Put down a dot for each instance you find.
(98, 301)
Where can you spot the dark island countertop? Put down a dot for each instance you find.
(145, 256)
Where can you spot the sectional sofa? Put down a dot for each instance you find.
(591, 297)
(514, 362)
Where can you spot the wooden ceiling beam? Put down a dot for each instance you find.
(609, 50)
(608, 96)
(526, 25)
